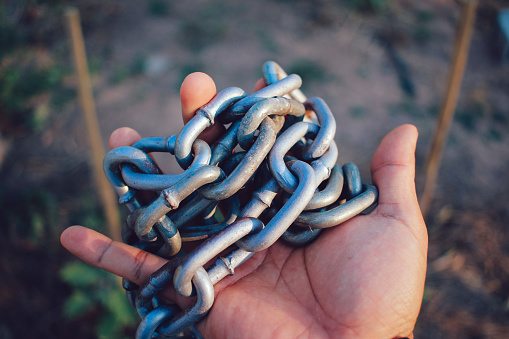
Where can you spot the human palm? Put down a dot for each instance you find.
(362, 279)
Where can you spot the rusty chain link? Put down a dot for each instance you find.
(272, 190)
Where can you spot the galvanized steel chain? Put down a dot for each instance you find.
(271, 190)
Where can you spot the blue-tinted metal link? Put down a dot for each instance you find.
(341, 213)
(203, 118)
(331, 191)
(157, 281)
(224, 147)
(208, 249)
(156, 144)
(158, 182)
(193, 233)
(300, 237)
(287, 214)
(327, 128)
(127, 155)
(131, 155)
(245, 170)
(353, 182)
(189, 211)
(162, 320)
(279, 88)
(273, 72)
(170, 198)
(254, 117)
(285, 142)
(287, 176)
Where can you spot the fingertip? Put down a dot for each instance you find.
(72, 239)
(409, 130)
(398, 146)
(196, 90)
(259, 85)
(393, 165)
(123, 136)
(68, 234)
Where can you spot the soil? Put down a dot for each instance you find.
(375, 70)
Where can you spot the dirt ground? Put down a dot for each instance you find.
(375, 70)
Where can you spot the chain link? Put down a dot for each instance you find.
(289, 152)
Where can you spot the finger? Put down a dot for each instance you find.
(393, 169)
(259, 85)
(123, 136)
(196, 90)
(118, 258)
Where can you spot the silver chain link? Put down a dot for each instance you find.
(289, 151)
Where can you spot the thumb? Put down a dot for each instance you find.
(196, 90)
(393, 171)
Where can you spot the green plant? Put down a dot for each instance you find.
(158, 8)
(96, 291)
(30, 215)
(470, 116)
(499, 118)
(421, 31)
(358, 112)
(134, 68)
(493, 135)
(310, 71)
(120, 73)
(22, 83)
(204, 27)
(266, 39)
(363, 72)
(410, 108)
(87, 210)
(137, 66)
(372, 6)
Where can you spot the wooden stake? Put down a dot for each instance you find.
(450, 100)
(106, 194)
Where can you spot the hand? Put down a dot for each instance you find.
(362, 279)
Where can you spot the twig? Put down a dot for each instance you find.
(450, 100)
(106, 194)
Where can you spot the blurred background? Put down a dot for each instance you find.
(377, 63)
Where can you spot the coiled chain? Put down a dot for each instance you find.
(273, 174)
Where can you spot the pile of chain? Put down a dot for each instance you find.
(273, 174)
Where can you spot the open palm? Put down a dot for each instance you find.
(363, 279)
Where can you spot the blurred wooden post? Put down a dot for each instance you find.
(449, 101)
(106, 194)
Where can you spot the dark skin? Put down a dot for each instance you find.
(363, 279)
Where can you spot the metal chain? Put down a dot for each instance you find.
(289, 151)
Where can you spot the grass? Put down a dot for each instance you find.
(310, 71)
(27, 80)
(421, 31)
(368, 6)
(186, 69)
(23, 84)
(195, 35)
(158, 8)
(493, 135)
(134, 68)
(363, 72)
(410, 108)
(204, 27)
(358, 112)
(267, 40)
(97, 291)
(471, 115)
(31, 215)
